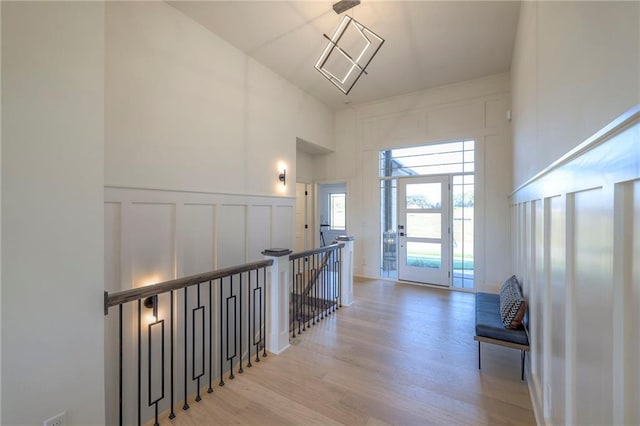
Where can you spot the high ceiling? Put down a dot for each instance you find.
(427, 43)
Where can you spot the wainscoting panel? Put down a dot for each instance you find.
(632, 308)
(231, 229)
(112, 243)
(576, 244)
(558, 308)
(152, 239)
(259, 231)
(197, 239)
(593, 306)
(155, 235)
(282, 230)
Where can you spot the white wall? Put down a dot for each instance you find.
(195, 134)
(187, 111)
(474, 109)
(576, 67)
(304, 167)
(52, 218)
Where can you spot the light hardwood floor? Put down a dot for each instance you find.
(400, 355)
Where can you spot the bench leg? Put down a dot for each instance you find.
(479, 355)
(524, 354)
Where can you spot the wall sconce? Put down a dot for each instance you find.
(151, 302)
(282, 177)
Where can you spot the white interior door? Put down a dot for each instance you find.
(424, 252)
(302, 217)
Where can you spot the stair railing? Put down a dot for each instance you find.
(217, 322)
(316, 286)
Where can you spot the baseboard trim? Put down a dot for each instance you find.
(534, 386)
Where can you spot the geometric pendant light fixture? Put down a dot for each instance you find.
(349, 51)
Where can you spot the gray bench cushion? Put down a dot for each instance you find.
(489, 324)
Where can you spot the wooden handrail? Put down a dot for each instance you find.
(311, 252)
(133, 294)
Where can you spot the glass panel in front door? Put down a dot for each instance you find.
(424, 225)
(423, 195)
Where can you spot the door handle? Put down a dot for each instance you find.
(402, 234)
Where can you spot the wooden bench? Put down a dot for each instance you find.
(489, 328)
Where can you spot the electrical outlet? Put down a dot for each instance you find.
(57, 420)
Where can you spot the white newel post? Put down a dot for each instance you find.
(346, 270)
(278, 300)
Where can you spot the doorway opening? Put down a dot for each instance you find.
(304, 236)
(427, 213)
(332, 212)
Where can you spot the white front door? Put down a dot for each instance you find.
(424, 252)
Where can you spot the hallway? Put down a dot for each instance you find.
(401, 355)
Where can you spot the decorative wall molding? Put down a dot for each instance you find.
(575, 232)
(153, 235)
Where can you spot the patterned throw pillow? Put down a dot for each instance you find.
(512, 304)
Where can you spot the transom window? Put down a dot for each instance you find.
(436, 159)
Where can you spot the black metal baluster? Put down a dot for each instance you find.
(172, 415)
(338, 276)
(304, 301)
(318, 284)
(150, 359)
(330, 292)
(185, 406)
(120, 367)
(292, 310)
(321, 284)
(221, 334)
(210, 390)
(327, 289)
(316, 287)
(301, 281)
(332, 279)
(259, 317)
(249, 295)
(300, 301)
(263, 332)
(307, 275)
(325, 286)
(230, 358)
(300, 306)
(139, 362)
(296, 301)
(194, 311)
(328, 282)
(240, 370)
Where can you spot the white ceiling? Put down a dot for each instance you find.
(427, 43)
